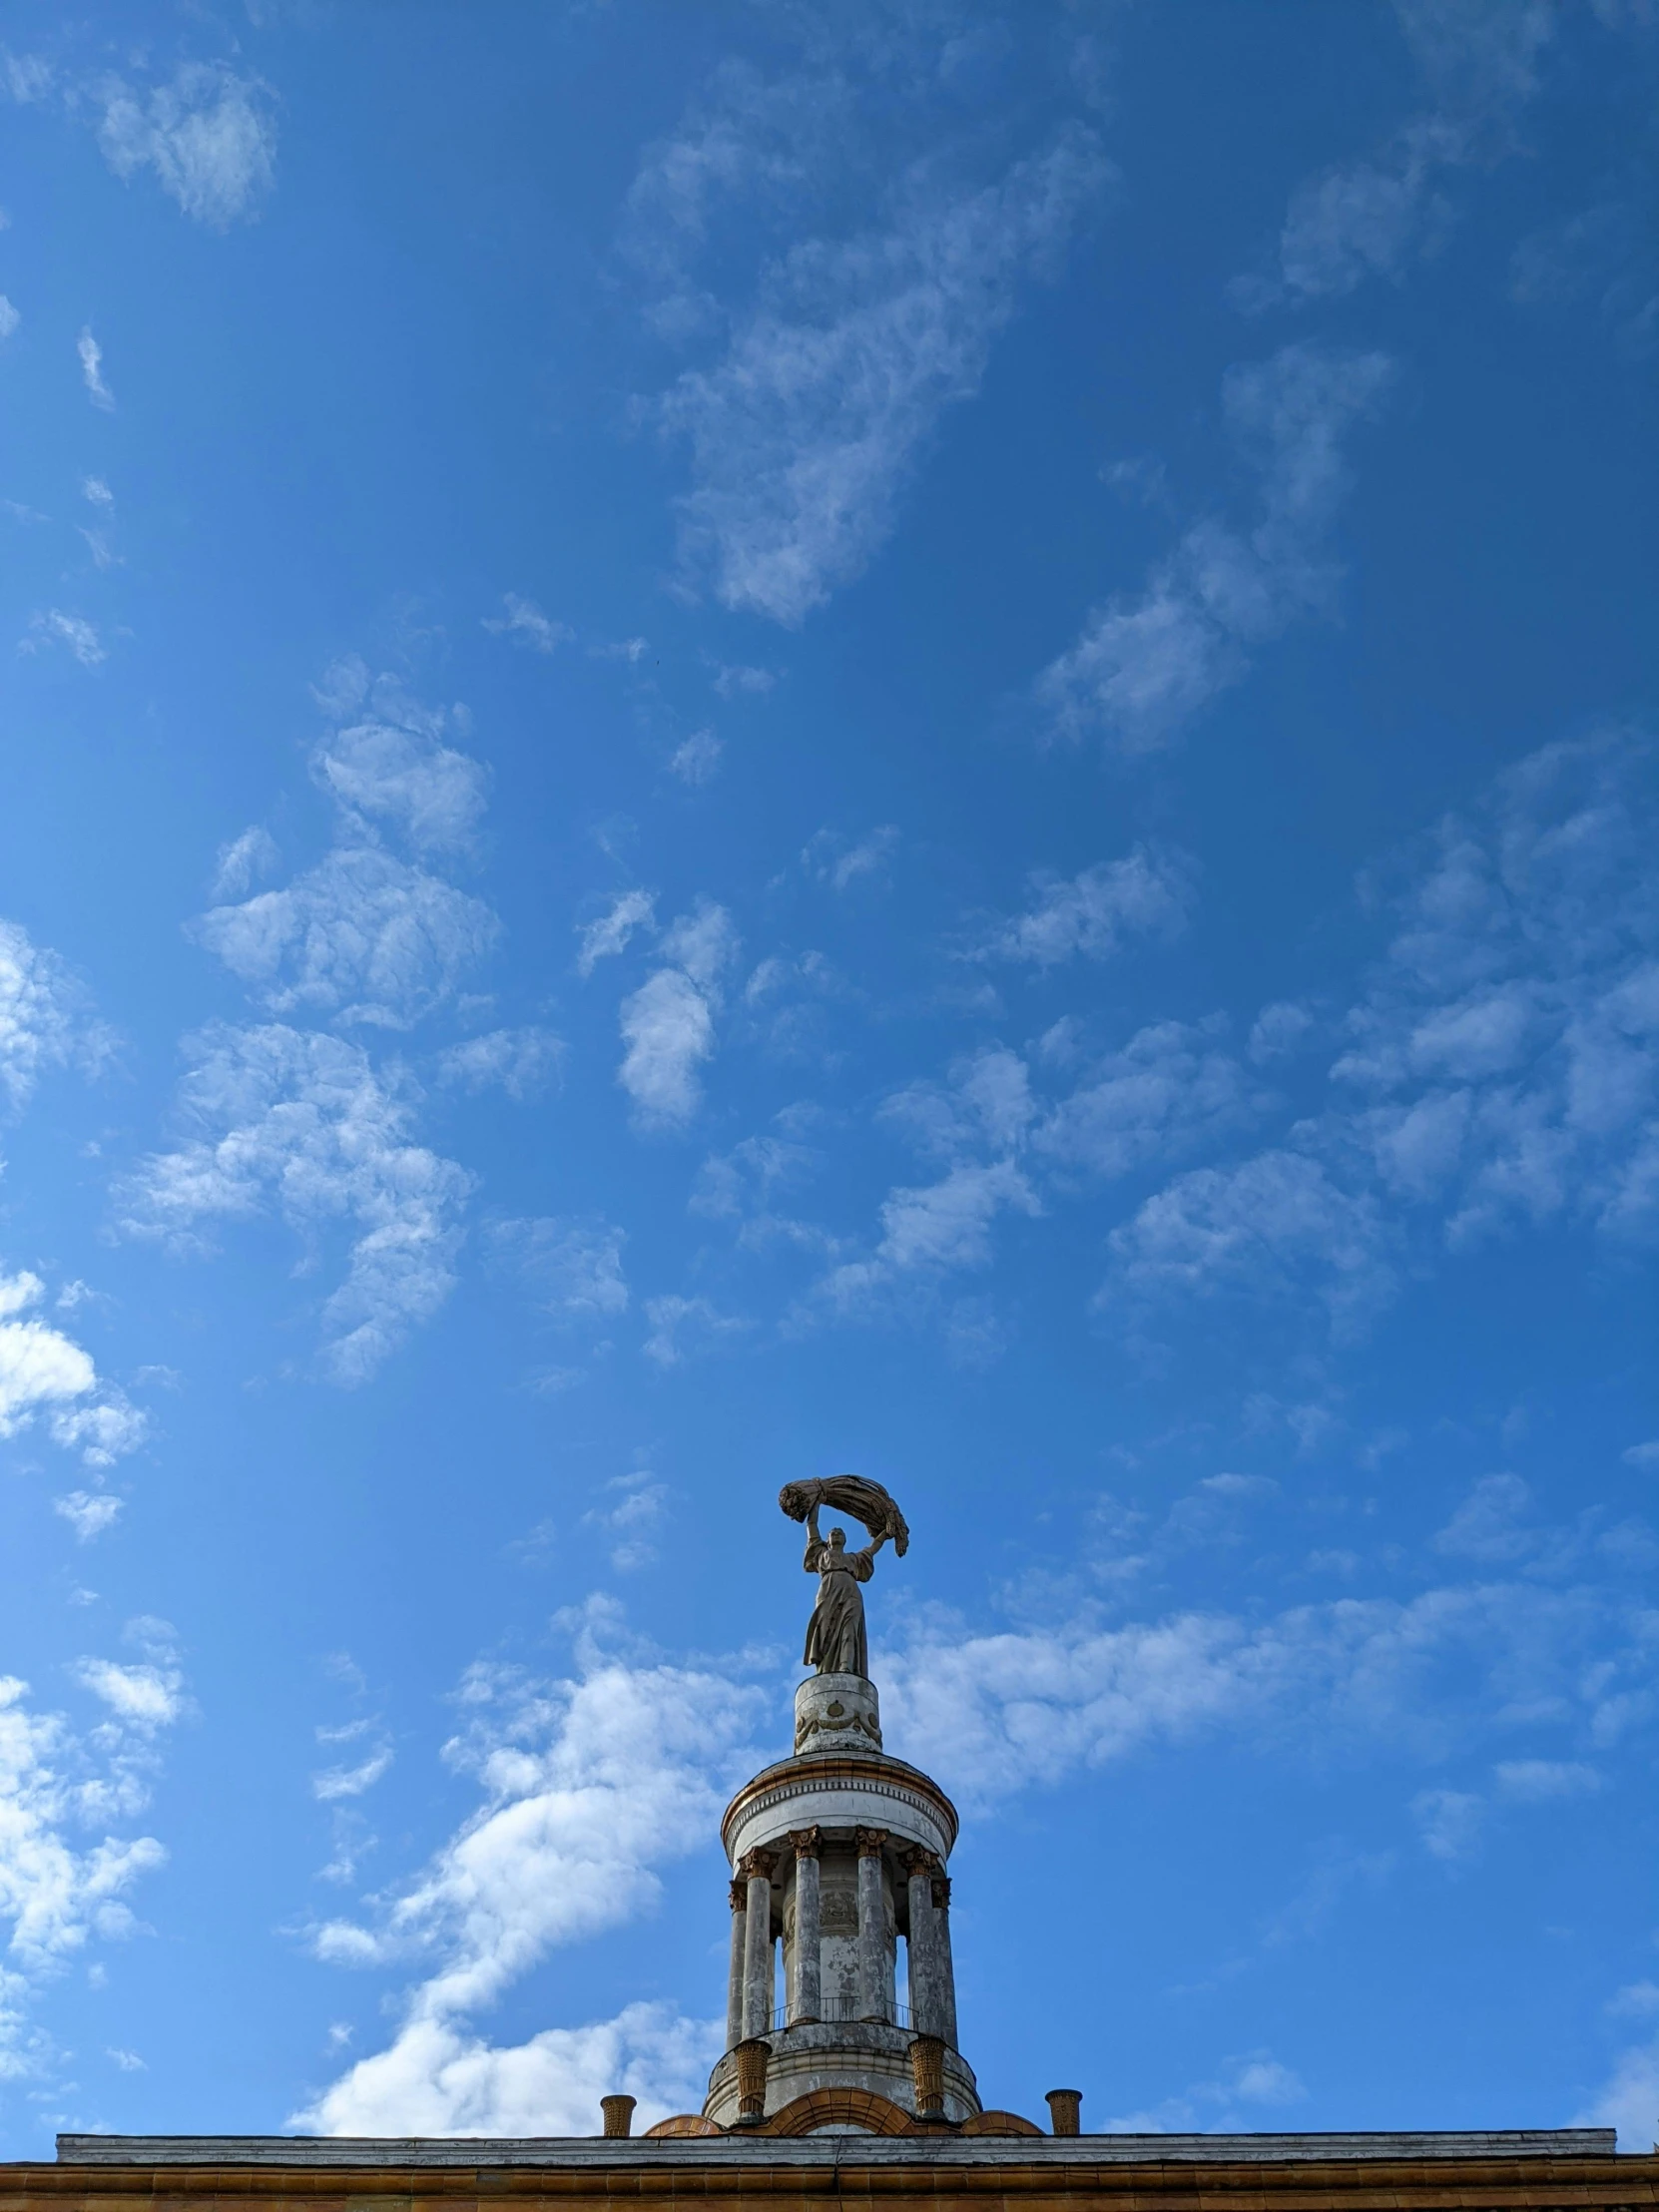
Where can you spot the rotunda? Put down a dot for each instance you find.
(838, 1854)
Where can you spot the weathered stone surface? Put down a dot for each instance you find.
(837, 1712)
(841, 2054)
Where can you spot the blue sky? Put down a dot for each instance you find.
(736, 749)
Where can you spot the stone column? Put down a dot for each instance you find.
(807, 1992)
(927, 2005)
(758, 1975)
(872, 1925)
(947, 1971)
(737, 1897)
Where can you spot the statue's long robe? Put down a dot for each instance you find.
(836, 1638)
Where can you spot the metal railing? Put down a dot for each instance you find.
(835, 2011)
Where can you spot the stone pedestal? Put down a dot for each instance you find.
(837, 1713)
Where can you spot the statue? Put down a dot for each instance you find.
(836, 1640)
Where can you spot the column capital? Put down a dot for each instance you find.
(736, 1896)
(918, 1860)
(871, 1840)
(806, 1841)
(757, 1866)
(941, 1892)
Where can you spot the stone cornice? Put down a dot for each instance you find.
(885, 1777)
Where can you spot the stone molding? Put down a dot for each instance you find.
(877, 1777)
(1405, 2171)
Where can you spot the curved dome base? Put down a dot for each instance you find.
(861, 2057)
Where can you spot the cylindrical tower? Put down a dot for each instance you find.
(838, 1854)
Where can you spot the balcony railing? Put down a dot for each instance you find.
(834, 2012)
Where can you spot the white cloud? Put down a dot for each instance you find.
(695, 761)
(1169, 1089)
(1372, 218)
(1641, 1456)
(703, 942)
(1274, 1228)
(143, 1697)
(802, 436)
(1504, 1066)
(573, 1268)
(933, 1229)
(1144, 664)
(335, 1783)
(668, 1029)
(44, 1019)
(1449, 1821)
(588, 1786)
(9, 318)
(634, 1511)
(302, 1124)
(668, 1025)
(733, 682)
(243, 862)
(522, 1062)
(525, 621)
(46, 1376)
(1630, 2100)
(436, 2080)
(1253, 2080)
(65, 1874)
(91, 369)
(88, 1513)
(364, 936)
(208, 136)
(1546, 1781)
(51, 626)
(614, 929)
(1441, 1673)
(393, 766)
(674, 1320)
(1146, 893)
(840, 865)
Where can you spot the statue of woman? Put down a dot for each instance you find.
(836, 1640)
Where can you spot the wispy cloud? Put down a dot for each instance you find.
(630, 1513)
(587, 1787)
(524, 621)
(49, 1378)
(804, 434)
(1481, 63)
(364, 936)
(842, 861)
(46, 1019)
(209, 135)
(614, 931)
(1146, 664)
(301, 1124)
(668, 1025)
(696, 759)
(571, 1267)
(91, 369)
(65, 1875)
(1149, 893)
(51, 626)
(522, 1062)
